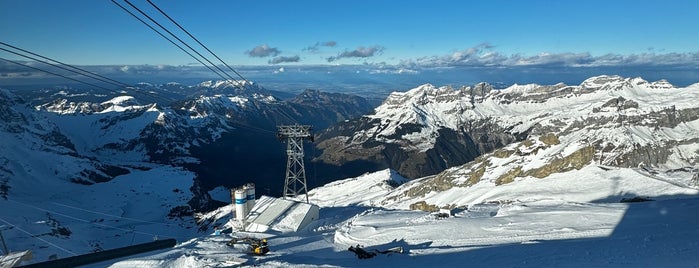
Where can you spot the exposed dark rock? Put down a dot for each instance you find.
(180, 211)
(635, 199)
(451, 147)
(4, 187)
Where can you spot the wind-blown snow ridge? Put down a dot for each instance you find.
(366, 190)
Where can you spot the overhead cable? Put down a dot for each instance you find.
(195, 39)
(168, 39)
(39, 238)
(183, 42)
(83, 71)
(60, 67)
(49, 72)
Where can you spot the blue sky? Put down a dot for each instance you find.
(304, 32)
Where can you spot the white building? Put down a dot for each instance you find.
(281, 215)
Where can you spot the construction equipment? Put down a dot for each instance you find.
(255, 246)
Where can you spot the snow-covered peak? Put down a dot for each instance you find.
(116, 104)
(425, 94)
(222, 84)
(615, 82)
(121, 100)
(662, 84)
(119, 104)
(602, 81)
(398, 98)
(516, 88)
(204, 105)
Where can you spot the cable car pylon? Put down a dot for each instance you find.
(295, 181)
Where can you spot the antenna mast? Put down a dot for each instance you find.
(295, 182)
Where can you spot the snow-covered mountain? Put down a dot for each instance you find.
(533, 174)
(623, 121)
(90, 171)
(600, 174)
(163, 122)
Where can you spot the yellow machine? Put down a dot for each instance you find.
(255, 246)
(259, 247)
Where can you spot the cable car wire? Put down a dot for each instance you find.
(60, 67)
(195, 39)
(41, 239)
(56, 74)
(83, 71)
(168, 39)
(183, 42)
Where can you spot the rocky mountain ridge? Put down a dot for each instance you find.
(125, 129)
(428, 129)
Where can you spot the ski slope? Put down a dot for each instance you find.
(546, 230)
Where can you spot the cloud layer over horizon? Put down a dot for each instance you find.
(483, 56)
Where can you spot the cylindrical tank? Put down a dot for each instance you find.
(232, 190)
(241, 209)
(250, 188)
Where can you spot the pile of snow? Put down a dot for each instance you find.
(365, 190)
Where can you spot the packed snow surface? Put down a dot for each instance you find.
(539, 226)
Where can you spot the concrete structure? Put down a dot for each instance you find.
(283, 215)
(14, 259)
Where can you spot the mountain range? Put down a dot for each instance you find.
(621, 121)
(95, 171)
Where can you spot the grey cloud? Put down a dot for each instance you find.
(314, 48)
(282, 59)
(360, 52)
(262, 51)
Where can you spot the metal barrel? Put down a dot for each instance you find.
(250, 188)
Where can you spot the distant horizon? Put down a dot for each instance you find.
(364, 80)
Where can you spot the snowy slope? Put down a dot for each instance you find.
(546, 229)
(365, 190)
(66, 219)
(50, 203)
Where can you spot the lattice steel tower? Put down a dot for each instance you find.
(295, 183)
